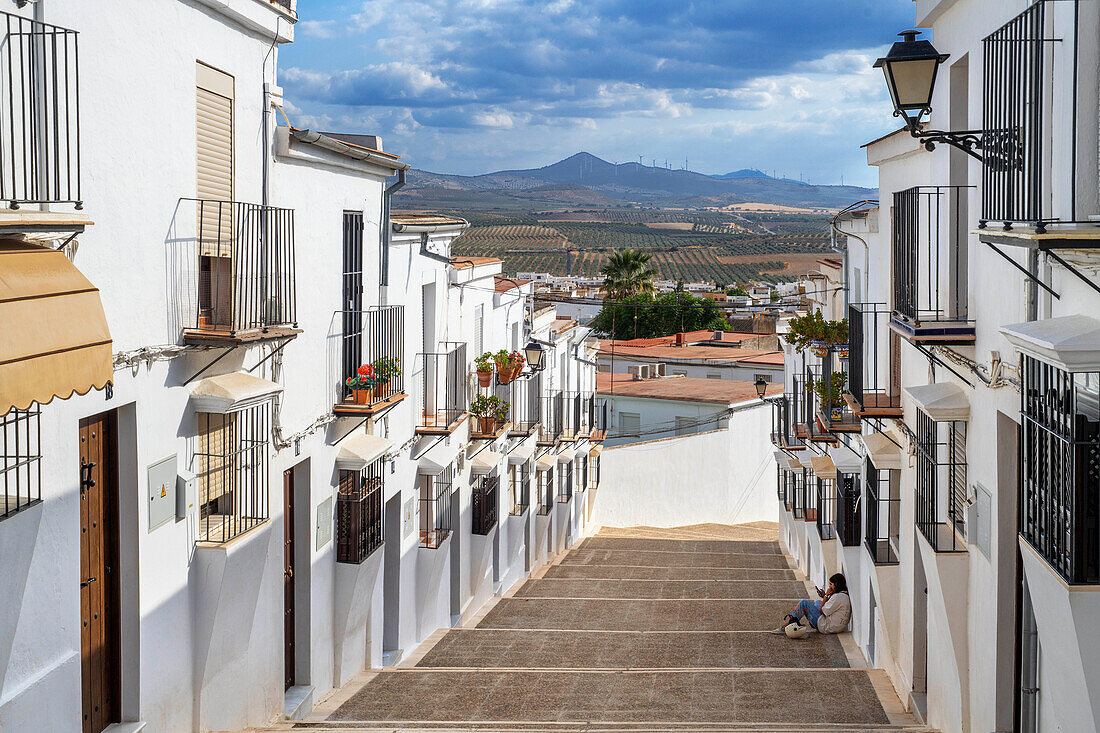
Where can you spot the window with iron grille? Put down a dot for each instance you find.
(582, 472)
(941, 483)
(519, 484)
(435, 507)
(798, 504)
(1060, 468)
(826, 508)
(595, 468)
(781, 484)
(847, 521)
(483, 504)
(546, 491)
(230, 460)
(883, 515)
(565, 482)
(20, 460)
(359, 513)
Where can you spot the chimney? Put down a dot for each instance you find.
(680, 338)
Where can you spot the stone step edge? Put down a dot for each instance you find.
(600, 727)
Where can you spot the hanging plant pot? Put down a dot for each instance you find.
(820, 349)
(842, 352)
(485, 379)
(836, 414)
(504, 374)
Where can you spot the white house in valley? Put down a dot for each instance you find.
(205, 525)
(957, 487)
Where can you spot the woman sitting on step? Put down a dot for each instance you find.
(830, 615)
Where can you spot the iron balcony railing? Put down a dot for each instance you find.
(245, 280)
(39, 113)
(848, 501)
(367, 368)
(883, 516)
(1060, 468)
(1030, 115)
(359, 513)
(874, 367)
(579, 414)
(553, 419)
(483, 504)
(524, 398)
(941, 483)
(930, 260)
(442, 394)
(230, 458)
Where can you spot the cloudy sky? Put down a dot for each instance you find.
(471, 86)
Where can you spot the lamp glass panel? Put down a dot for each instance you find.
(911, 82)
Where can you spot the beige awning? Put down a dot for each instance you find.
(359, 451)
(883, 451)
(793, 464)
(545, 463)
(823, 467)
(54, 339)
(596, 451)
(943, 401)
(428, 467)
(566, 457)
(521, 454)
(231, 392)
(485, 462)
(1071, 343)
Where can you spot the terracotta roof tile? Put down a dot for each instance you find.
(461, 263)
(686, 389)
(504, 284)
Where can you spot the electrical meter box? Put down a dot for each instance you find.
(162, 492)
(185, 494)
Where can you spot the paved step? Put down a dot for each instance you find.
(761, 696)
(648, 558)
(499, 648)
(635, 615)
(635, 572)
(545, 726)
(662, 589)
(741, 547)
(766, 531)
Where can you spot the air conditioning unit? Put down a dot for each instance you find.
(718, 335)
(639, 371)
(656, 370)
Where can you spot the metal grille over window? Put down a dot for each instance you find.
(483, 503)
(847, 520)
(553, 419)
(435, 507)
(519, 483)
(825, 509)
(798, 504)
(565, 482)
(941, 483)
(883, 513)
(546, 491)
(1060, 476)
(582, 472)
(359, 513)
(40, 114)
(21, 460)
(231, 471)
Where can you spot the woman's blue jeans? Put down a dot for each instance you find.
(810, 609)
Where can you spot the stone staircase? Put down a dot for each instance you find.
(639, 629)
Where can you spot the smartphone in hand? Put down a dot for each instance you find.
(820, 593)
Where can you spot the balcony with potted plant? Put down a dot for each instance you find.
(490, 417)
(833, 412)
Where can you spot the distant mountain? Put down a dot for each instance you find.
(584, 179)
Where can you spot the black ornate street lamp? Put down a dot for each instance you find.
(910, 69)
(535, 356)
(761, 387)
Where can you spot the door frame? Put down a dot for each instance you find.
(289, 590)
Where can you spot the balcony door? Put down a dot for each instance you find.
(100, 675)
(214, 92)
(352, 302)
(288, 579)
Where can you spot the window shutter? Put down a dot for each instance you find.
(214, 159)
(216, 448)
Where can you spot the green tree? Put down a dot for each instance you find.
(627, 272)
(737, 291)
(645, 315)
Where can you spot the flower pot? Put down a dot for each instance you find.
(380, 391)
(836, 414)
(486, 425)
(361, 396)
(819, 349)
(842, 352)
(485, 379)
(505, 374)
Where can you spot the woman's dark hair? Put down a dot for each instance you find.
(839, 583)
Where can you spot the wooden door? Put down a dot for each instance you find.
(288, 577)
(99, 571)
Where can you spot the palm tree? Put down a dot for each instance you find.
(627, 273)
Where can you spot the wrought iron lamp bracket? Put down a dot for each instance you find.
(968, 141)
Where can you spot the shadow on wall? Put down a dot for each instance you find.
(18, 538)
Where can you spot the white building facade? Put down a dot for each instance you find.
(206, 526)
(957, 490)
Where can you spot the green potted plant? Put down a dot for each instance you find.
(483, 365)
(830, 393)
(386, 369)
(485, 409)
(502, 413)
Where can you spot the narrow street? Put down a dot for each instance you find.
(641, 629)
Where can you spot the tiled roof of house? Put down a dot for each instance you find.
(425, 219)
(504, 284)
(715, 354)
(686, 389)
(461, 263)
